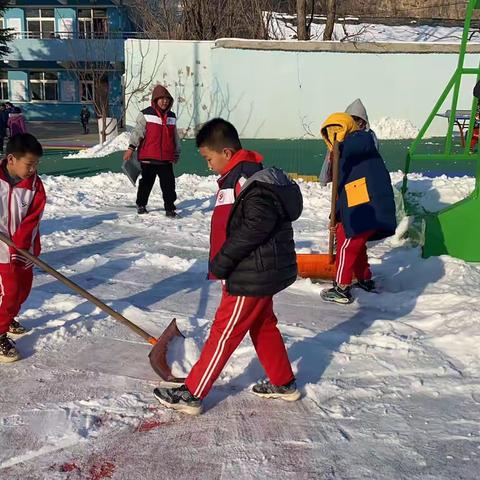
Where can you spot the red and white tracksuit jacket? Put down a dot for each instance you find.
(237, 316)
(21, 208)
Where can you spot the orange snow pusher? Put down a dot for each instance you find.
(322, 265)
(158, 354)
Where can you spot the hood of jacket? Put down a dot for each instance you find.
(336, 128)
(286, 190)
(357, 109)
(161, 91)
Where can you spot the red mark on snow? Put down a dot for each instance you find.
(148, 425)
(105, 470)
(69, 467)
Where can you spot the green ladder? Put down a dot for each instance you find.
(454, 230)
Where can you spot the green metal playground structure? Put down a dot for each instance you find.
(454, 230)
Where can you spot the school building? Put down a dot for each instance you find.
(64, 54)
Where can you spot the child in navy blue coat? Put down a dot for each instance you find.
(365, 208)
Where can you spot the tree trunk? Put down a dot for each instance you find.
(302, 20)
(104, 126)
(331, 13)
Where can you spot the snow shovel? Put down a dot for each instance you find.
(132, 169)
(158, 354)
(321, 265)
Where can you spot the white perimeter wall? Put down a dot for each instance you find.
(287, 94)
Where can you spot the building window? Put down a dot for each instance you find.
(87, 89)
(92, 23)
(3, 86)
(40, 22)
(43, 86)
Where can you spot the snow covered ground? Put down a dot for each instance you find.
(391, 383)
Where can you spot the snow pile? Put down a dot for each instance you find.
(118, 144)
(394, 129)
(395, 373)
(282, 27)
(434, 194)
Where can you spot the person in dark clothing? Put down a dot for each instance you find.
(3, 125)
(156, 138)
(10, 107)
(16, 122)
(252, 252)
(85, 118)
(365, 207)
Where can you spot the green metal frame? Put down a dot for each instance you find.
(456, 229)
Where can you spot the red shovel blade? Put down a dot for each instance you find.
(158, 354)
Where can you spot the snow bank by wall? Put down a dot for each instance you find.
(394, 129)
(283, 28)
(118, 144)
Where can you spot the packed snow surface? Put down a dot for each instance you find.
(390, 384)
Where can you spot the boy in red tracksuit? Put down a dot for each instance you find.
(22, 199)
(253, 252)
(156, 138)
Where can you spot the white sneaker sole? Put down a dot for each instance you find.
(18, 335)
(288, 397)
(340, 301)
(180, 407)
(5, 359)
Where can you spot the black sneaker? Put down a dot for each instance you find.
(179, 398)
(8, 352)
(171, 213)
(17, 329)
(367, 285)
(142, 210)
(288, 392)
(337, 294)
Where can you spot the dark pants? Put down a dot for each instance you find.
(164, 171)
(85, 127)
(3, 134)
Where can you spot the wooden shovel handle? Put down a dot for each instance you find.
(76, 288)
(335, 159)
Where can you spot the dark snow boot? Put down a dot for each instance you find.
(8, 352)
(287, 392)
(179, 398)
(337, 294)
(171, 213)
(367, 285)
(142, 210)
(17, 329)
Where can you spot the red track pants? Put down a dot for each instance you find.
(352, 257)
(474, 141)
(234, 318)
(15, 286)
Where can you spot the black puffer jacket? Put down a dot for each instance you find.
(258, 258)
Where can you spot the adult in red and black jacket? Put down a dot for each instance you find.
(156, 139)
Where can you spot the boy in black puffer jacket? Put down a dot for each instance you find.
(253, 252)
